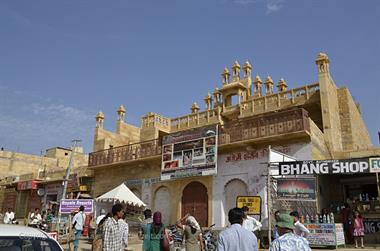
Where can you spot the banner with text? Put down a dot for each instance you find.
(67, 206)
(345, 166)
(296, 189)
(190, 153)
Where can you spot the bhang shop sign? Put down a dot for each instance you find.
(346, 166)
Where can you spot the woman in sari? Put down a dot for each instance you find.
(156, 237)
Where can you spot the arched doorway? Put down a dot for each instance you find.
(195, 202)
(232, 190)
(162, 203)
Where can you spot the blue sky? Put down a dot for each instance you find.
(62, 61)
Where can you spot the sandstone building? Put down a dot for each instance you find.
(315, 121)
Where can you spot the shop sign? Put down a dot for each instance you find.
(371, 226)
(67, 206)
(325, 234)
(346, 166)
(296, 189)
(190, 153)
(55, 188)
(374, 165)
(252, 202)
(27, 185)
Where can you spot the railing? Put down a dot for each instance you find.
(155, 120)
(124, 153)
(274, 124)
(278, 100)
(195, 120)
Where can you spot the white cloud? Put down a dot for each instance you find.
(245, 2)
(274, 6)
(271, 6)
(30, 124)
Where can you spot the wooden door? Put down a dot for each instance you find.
(195, 202)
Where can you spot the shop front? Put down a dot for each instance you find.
(343, 186)
(52, 196)
(27, 198)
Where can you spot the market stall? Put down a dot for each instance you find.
(120, 194)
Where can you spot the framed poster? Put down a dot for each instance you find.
(190, 153)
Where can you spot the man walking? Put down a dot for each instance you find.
(112, 233)
(236, 237)
(299, 229)
(288, 241)
(250, 223)
(78, 223)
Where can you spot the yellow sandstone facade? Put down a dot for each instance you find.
(314, 121)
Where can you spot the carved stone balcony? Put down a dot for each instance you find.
(125, 153)
(255, 128)
(261, 127)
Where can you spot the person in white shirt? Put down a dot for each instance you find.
(250, 223)
(124, 229)
(101, 216)
(299, 229)
(35, 218)
(8, 217)
(78, 223)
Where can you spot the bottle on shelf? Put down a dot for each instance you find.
(307, 221)
(332, 220)
(317, 219)
(324, 220)
(302, 219)
(312, 219)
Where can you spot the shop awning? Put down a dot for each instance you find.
(123, 195)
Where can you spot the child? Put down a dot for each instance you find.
(358, 229)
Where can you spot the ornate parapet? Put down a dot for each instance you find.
(125, 153)
(194, 120)
(154, 120)
(278, 101)
(274, 124)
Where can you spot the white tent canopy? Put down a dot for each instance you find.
(123, 195)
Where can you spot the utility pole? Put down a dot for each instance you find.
(67, 176)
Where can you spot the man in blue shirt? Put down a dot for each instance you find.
(236, 237)
(288, 240)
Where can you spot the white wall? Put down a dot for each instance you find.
(251, 168)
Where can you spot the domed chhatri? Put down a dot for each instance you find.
(195, 108)
(121, 109)
(282, 86)
(99, 115)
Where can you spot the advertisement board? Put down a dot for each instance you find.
(296, 188)
(252, 202)
(67, 206)
(190, 153)
(325, 235)
(346, 166)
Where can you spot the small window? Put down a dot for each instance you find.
(111, 146)
(66, 154)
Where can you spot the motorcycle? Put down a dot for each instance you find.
(176, 238)
(208, 239)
